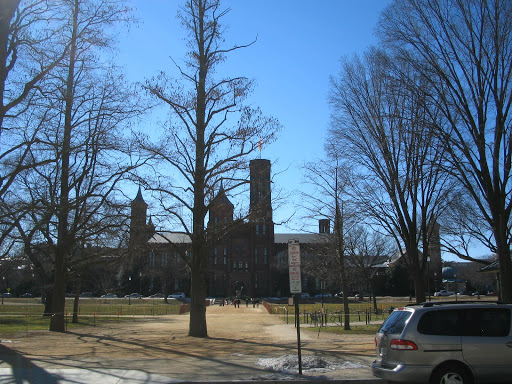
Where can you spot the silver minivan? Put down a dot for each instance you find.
(446, 343)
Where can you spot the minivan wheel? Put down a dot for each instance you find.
(451, 374)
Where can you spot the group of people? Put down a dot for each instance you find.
(236, 302)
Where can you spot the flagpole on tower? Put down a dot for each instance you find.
(260, 146)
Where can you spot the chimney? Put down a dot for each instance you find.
(324, 226)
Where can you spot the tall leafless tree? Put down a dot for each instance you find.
(464, 50)
(74, 200)
(211, 138)
(385, 126)
(366, 250)
(26, 57)
(329, 179)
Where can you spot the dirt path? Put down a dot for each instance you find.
(238, 339)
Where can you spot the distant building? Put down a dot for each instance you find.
(250, 261)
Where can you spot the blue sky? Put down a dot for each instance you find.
(299, 45)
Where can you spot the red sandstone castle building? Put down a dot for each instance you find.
(239, 264)
(251, 260)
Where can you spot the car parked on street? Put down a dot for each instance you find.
(133, 296)
(109, 296)
(444, 292)
(176, 295)
(325, 295)
(445, 343)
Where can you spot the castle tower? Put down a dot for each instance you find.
(260, 209)
(434, 250)
(140, 229)
(221, 210)
(138, 218)
(261, 227)
(324, 226)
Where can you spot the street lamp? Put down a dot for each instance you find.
(456, 286)
(428, 278)
(129, 294)
(322, 287)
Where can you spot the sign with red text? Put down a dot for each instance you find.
(293, 253)
(294, 266)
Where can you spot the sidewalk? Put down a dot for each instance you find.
(244, 345)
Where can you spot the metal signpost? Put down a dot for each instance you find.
(295, 287)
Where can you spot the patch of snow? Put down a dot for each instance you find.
(310, 363)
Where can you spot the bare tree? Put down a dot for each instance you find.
(210, 140)
(365, 251)
(329, 179)
(464, 50)
(385, 125)
(75, 199)
(26, 57)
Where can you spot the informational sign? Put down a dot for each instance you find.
(294, 266)
(295, 288)
(295, 280)
(293, 253)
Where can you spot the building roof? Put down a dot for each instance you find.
(305, 238)
(221, 197)
(170, 238)
(494, 267)
(139, 198)
(279, 238)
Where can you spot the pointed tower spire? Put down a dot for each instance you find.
(221, 209)
(139, 198)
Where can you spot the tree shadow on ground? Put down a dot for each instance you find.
(24, 370)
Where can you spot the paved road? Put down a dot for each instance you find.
(244, 344)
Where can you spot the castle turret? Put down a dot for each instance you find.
(324, 226)
(138, 218)
(140, 230)
(260, 200)
(221, 210)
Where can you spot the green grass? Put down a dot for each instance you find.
(359, 313)
(14, 324)
(369, 329)
(21, 315)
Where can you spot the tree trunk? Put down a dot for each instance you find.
(47, 295)
(77, 289)
(57, 323)
(419, 286)
(346, 310)
(197, 325)
(198, 266)
(64, 242)
(375, 309)
(505, 262)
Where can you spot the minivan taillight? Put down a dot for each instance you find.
(404, 345)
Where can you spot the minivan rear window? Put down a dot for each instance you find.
(395, 323)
